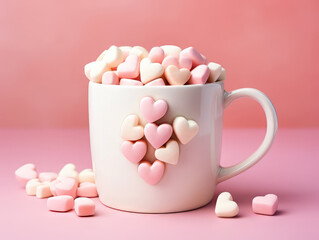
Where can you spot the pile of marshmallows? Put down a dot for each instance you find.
(165, 65)
(65, 191)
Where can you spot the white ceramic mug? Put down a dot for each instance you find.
(189, 184)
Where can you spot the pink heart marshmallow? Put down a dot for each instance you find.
(158, 135)
(134, 151)
(151, 173)
(153, 110)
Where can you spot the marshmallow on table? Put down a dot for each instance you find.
(87, 189)
(43, 190)
(266, 205)
(225, 206)
(25, 173)
(64, 186)
(31, 186)
(62, 203)
(87, 175)
(84, 207)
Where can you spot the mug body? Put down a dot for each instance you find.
(188, 185)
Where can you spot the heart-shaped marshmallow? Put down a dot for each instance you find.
(215, 71)
(169, 153)
(113, 57)
(130, 129)
(130, 68)
(158, 135)
(151, 173)
(171, 50)
(25, 173)
(110, 78)
(184, 129)
(176, 76)
(139, 51)
(31, 186)
(60, 203)
(87, 189)
(156, 82)
(150, 71)
(69, 171)
(65, 186)
(156, 55)
(47, 176)
(194, 55)
(86, 175)
(266, 205)
(134, 151)
(225, 206)
(199, 75)
(153, 110)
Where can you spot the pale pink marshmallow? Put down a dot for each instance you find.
(185, 62)
(153, 110)
(130, 68)
(156, 82)
(62, 203)
(199, 75)
(110, 78)
(151, 173)
(84, 207)
(130, 82)
(157, 136)
(47, 176)
(194, 55)
(266, 205)
(156, 55)
(87, 189)
(134, 151)
(25, 173)
(65, 186)
(170, 60)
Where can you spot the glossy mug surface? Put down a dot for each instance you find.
(189, 184)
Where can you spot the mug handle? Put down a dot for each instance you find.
(272, 125)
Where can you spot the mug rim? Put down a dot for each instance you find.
(170, 86)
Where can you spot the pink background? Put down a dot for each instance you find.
(268, 45)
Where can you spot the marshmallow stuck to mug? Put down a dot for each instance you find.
(187, 168)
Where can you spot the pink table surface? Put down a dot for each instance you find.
(290, 170)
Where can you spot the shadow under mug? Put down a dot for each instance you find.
(191, 183)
